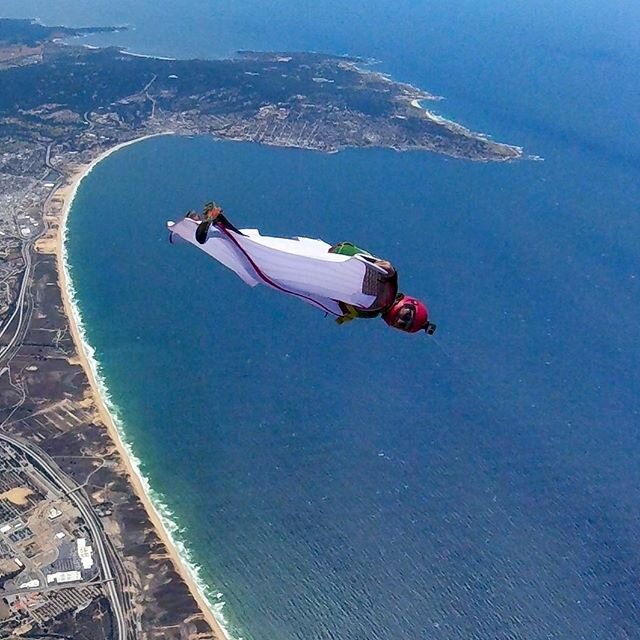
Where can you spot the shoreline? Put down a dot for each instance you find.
(67, 193)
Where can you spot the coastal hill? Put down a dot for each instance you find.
(76, 94)
(31, 33)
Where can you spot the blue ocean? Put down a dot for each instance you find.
(351, 482)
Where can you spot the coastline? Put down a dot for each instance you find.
(67, 193)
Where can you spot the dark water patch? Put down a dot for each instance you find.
(348, 479)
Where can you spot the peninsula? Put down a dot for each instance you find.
(83, 553)
(79, 98)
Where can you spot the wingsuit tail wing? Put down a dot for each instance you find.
(218, 246)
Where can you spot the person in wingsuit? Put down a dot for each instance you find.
(265, 261)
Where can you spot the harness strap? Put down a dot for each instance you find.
(350, 313)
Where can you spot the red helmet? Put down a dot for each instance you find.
(407, 314)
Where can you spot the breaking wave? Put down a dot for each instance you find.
(175, 533)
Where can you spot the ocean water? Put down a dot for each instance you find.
(351, 482)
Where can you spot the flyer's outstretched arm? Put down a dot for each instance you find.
(301, 267)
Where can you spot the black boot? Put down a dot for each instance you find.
(203, 231)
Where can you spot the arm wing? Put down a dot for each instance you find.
(302, 267)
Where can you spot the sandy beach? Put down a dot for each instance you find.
(67, 193)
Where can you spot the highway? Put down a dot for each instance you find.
(112, 576)
(115, 577)
(24, 302)
(19, 311)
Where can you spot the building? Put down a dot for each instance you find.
(64, 576)
(53, 513)
(85, 552)
(31, 584)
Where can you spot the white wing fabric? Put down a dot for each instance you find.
(301, 267)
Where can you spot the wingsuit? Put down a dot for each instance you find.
(343, 280)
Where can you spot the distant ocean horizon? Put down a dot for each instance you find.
(348, 482)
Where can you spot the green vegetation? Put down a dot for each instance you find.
(31, 33)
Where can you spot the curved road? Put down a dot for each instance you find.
(8, 351)
(115, 575)
(81, 501)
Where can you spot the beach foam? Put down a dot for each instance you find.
(174, 532)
